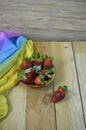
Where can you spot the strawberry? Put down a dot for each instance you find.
(37, 63)
(43, 72)
(32, 73)
(37, 58)
(47, 63)
(59, 94)
(27, 78)
(39, 80)
(26, 64)
(24, 80)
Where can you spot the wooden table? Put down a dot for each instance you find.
(30, 109)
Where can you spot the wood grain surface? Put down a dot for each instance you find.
(69, 111)
(31, 109)
(39, 108)
(80, 60)
(43, 20)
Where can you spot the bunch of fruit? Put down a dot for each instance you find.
(37, 69)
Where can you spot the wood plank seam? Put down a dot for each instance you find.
(78, 84)
(54, 107)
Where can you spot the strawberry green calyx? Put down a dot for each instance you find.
(27, 59)
(37, 56)
(42, 79)
(49, 71)
(49, 57)
(64, 88)
(36, 69)
(28, 70)
(21, 74)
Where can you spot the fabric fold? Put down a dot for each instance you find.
(9, 46)
(11, 60)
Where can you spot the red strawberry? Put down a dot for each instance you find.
(26, 64)
(47, 63)
(27, 78)
(59, 94)
(37, 80)
(43, 72)
(32, 73)
(37, 63)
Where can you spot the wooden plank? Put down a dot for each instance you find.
(69, 111)
(40, 111)
(16, 119)
(45, 20)
(80, 58)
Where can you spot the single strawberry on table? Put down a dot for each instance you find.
(59, 94)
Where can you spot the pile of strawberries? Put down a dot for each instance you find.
(36, 70)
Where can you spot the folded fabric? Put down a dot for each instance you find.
(10, 60)
(13, 48)
(11, 34)
(10, 79)
(9, 46)
(3, 106)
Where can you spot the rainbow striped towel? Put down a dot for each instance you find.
(13, 48)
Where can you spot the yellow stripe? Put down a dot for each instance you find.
(3, 106)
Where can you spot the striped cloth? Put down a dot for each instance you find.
(13, 48)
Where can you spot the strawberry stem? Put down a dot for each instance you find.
(64, 88)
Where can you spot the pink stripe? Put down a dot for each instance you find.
(11, 34)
